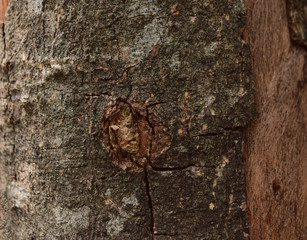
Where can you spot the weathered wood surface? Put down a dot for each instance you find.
(276, 166)
(84, 82)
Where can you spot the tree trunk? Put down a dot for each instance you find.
(124, 120)
(276, 166)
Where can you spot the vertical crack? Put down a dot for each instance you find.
(152, 222)
(4, 42)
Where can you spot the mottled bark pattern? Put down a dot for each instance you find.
(65, 62)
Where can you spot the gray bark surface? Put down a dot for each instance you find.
(123, 120)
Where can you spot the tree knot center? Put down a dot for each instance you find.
(130, 133)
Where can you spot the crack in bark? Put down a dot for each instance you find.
(4, 42)
(208, 135)
(154, 104)
(99, 95)
(152, 220)
(224, 129)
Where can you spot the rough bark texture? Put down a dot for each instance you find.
(277, 140)
(123, 119)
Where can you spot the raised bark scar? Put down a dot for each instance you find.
(132, 135)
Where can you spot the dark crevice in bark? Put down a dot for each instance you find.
(99, 95)
(152, 221)
(208, 135)
(4, 42)
(155, 104)
(224, 129)
(42, 23)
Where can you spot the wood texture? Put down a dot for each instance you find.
(277, 140)
(3, 7)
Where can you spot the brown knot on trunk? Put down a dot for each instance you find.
(132, 135)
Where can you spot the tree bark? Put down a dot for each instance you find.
(3, 7)
(276, 166)
(124, 120)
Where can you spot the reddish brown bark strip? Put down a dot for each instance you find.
(3, 7)
(277, 139)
